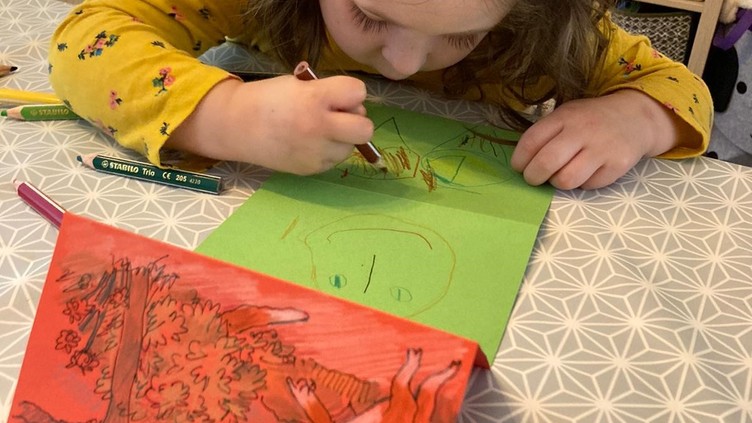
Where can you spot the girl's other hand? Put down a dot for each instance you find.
(590, 143)
(301, 127)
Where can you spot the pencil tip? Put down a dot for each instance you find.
(79, 158)
(379, 164)
(13, 68)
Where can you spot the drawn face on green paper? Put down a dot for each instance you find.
(377, 257)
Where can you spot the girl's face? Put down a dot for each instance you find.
(401, 37)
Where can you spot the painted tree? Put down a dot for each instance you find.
(162, 353)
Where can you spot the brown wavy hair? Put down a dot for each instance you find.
(556, 44)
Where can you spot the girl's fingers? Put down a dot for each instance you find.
(578, 171)
(552, 156)
(533, 140)
(343, 93)
(350, 128)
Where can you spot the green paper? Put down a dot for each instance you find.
(442, 239)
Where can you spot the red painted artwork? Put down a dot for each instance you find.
(129, 329)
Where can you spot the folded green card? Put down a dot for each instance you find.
(443, 238)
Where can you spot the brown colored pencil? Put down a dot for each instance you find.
(7, 70)
(304, 72)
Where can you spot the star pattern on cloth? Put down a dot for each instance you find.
(636, 305)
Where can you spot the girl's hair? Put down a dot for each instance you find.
(554, 44)
(294, 27)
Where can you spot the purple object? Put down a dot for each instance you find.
(41, 203)
(727, 35)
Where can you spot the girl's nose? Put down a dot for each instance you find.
(406, 52)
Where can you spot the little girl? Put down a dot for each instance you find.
(130, 67)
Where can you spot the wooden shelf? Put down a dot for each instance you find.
(709, 11)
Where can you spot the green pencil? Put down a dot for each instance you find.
(147, 172)
(40, 112)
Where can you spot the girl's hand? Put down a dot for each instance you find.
(590, 143)
(301, 127)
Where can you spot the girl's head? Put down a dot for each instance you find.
(396, 37)
(514, 43)
(399, 38)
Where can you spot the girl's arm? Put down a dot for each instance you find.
(632, 63)
(130, 67)
(283, 123)
(645, 105)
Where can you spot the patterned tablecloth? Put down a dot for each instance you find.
(636, 304)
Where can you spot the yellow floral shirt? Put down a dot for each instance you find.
(131, 68)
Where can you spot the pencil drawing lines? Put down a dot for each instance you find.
(400, 159)
(343, 262)
(370, 274)
(467, 161)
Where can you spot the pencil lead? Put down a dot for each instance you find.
(379, 164)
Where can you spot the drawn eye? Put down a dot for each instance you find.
(741, 87)
(401, 294)
(338, 280)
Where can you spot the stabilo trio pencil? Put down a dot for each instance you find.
(147, 172)
(40, 112)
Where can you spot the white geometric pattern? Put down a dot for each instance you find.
(636, 305)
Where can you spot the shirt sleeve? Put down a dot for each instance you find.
(632, 63)
(131, 68)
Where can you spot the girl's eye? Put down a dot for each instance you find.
(365, 23)
(463, 42)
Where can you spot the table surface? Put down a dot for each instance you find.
(636, 304)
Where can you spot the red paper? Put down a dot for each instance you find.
(131, 329)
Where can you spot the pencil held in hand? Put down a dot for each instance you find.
(304, 72)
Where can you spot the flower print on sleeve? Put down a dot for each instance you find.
(175, 14)
(164, 80)
(101, 41)
(106, 129)
(629, 66)
(164, 129)
(205, 13)
(115, 101)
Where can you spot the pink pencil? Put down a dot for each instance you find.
(41, 203)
